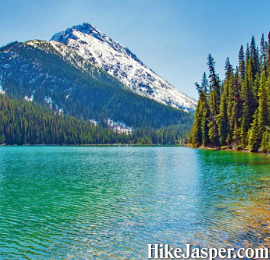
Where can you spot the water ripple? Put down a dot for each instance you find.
(110, 202)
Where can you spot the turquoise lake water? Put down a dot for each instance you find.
(110, 202)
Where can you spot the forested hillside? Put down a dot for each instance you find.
(24, 122)
(235, 113)
(44, 76)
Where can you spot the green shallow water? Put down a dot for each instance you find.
(110, 202)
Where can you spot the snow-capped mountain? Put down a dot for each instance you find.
(94, 46)
(56, 77)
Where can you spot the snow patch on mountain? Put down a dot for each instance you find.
(2, 92)
(30, 99)
(96, 47)
(61, 111)
(119, 127)
(116, 126)
(94, 122)
(49, 101)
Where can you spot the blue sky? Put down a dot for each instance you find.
(172, 37)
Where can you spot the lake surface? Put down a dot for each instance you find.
(110, 202)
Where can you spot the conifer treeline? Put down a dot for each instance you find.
(235, 113)
(23, 122)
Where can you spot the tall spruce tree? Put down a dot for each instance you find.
(205, 84)
(223, 122)
(214, 101)
(263, 50)
(241, 58)
(200, 131)
(236, 110)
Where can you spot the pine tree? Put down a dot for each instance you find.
(214, 86)
(200, 130)
(223, 122)
(195, 137)
(214, 101)
(248, 97)
(241, 63)
(254, 56)
(263, 50)
(205, 84)
(235, 111)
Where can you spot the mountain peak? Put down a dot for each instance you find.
(86, 28)
(96, 47)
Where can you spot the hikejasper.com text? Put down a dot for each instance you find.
(160, 251)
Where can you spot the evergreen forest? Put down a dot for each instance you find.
(235, 113)
(23, 122)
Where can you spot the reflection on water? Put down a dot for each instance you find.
(110, 202)
(236, 188)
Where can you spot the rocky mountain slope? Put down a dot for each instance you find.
(94, 46)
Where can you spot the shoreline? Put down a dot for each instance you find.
(144, 145)
(22, 145)
(226, 149)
